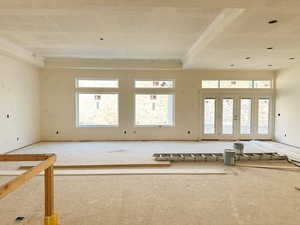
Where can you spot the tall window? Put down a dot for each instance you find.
(96, 105)
(154, 109)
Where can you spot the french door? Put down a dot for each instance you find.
(236, 116)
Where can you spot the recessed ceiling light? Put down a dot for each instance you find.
(248, 57)
(270, 48)
(273, 21)
(291, 58)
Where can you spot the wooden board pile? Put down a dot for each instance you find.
(192, 157)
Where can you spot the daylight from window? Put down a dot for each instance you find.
(98, 109)
(236, 84)
(262, 84)
(154, 109)
(209, 116)
(263, 116)
(154, 84)
(210, 84)
(227, 116)
(97, 83)
(245, 116)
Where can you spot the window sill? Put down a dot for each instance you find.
(97, 126)
(154, 126)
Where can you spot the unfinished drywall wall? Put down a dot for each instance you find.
(58, 103)
(19, 104)
(287, 121)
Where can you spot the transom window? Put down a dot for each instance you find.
(210, 84)
(154, 84)
(96, 83)
(236, 84)
(262, 84)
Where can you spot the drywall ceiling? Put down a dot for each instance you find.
(220, 33)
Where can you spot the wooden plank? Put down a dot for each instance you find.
(49, 192)
(124, 172)
(291, 168)
(104, 166)
(24, 177)
(25, 157)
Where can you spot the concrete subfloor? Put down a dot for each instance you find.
(244, 196)
(126, 151)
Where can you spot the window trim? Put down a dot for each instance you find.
(154, 126)
(155, 88)
(77, 124)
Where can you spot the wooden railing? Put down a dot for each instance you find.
(46, 165)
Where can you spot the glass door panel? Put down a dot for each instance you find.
(227, 115)
(209, 116)
(235, 116)
(245, 116)
(263, 116)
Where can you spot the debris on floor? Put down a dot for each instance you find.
(20, 218)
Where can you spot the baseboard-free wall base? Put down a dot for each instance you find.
(25, 146)
(288, 168)
(294, 146)
(103, 140)
(244, 139)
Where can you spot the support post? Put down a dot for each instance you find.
(50, 217)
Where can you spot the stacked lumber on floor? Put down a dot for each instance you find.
(189, 157)
(286, 168)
